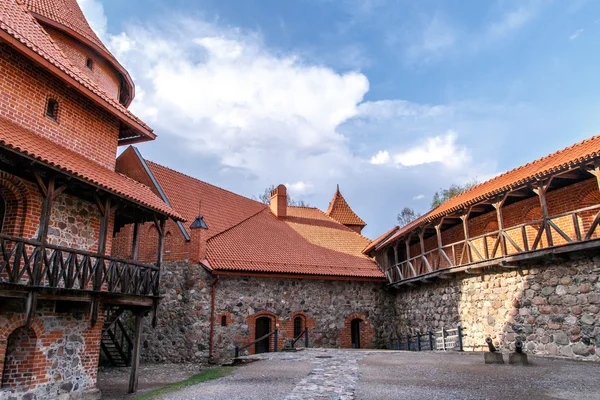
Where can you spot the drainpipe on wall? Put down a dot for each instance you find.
(212, 319)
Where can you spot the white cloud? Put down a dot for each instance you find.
(513, 20)
(382, 157)
(419, 197)
(300, 188)
(576, 34)
(442, 149)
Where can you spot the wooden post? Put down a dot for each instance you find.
(135, 361)
(498, 206)
(438, 234)
(541, 192)
(407, 245)
(160, 227)
(424, 260)
(135, 241)
(467, 248)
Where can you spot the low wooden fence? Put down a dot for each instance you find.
(442, 340)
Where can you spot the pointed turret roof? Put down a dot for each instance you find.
(340, 211)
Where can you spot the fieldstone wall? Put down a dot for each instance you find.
(551, 304)
(325, 305)
(74, 223)
(183, 320)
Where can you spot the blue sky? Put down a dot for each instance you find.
(391, 99)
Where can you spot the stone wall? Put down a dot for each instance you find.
(552, 305)
(56, 356)
(183, 319)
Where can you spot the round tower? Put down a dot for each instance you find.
(65, 23)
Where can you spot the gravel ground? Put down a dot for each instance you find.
(260, 380)
(114, 382)
(410, 375)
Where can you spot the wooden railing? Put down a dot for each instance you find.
(275, 335)
(567, 228)
(297, 338)
(30, 263)
(442, 340)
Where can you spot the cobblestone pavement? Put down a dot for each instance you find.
(321, 374)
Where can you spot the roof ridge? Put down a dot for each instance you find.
(237, 224)
(201, 181)
(547, 156)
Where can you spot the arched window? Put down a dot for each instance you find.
(18, 361)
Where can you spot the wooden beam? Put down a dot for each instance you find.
(30, 308)
(540, 190)
(467, 247)
(40, 183)
(499, 218)
(135, 358)
(135, 241)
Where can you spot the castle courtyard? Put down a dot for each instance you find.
(373, 374)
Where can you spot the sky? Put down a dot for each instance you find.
(392, 100)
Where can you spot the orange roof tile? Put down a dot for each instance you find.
(19, 139)
(20, 29)
(191, 197)
(306, 242)
(380, 239)
(567, 158)
(340, 211)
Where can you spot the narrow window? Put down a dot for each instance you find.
(52, 109)
(297, 326)
(223, 320)
(89, 63)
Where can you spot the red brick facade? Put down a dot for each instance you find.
(81, 125)
(367, 331)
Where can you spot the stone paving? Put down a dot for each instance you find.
(320, 374)
(334, 374)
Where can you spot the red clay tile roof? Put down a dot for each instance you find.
(380, 239)
(306, 242)
(340, 211)
(191, 197)
(567, 158)
(20, 29)
(19, 139)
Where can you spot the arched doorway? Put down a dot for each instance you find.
(18, 361)
(2, 212)
(262, 327)
(298, 326)
(355, 332)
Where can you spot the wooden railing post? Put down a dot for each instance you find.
(498, 206)
(467, 248)
(135, 362)
(275, 338)
(407, 245)
(540, 190)
(306, 337)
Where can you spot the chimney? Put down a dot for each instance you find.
(278, 202)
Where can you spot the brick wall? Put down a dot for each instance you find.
(57, 355)
(81, 125)
(102, 72)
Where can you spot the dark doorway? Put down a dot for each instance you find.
(263, 326)
(297, 326)
(355, 333)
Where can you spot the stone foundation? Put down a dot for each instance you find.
(552, 305)
(183, 324)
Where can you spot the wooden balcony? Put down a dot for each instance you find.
(570, 231)
(32, 265)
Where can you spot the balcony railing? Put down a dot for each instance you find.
(568, 228)
(30, 263)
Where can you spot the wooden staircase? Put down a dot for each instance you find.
(116, 343)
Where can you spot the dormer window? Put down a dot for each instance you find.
(89, 63)
(52, 109)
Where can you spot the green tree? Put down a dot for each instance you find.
(443, 195)
(406, 216)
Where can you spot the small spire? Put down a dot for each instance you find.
(338, 187)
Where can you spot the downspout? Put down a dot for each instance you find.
(212, 319)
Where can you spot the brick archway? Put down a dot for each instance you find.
(251, 320)
(367, 331)
(15, 195)
(20, 353)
